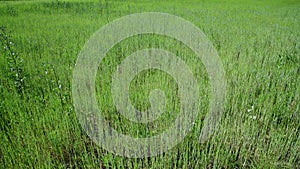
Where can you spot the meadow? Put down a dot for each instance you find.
(258, 43)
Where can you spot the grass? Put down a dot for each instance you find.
(257, 41)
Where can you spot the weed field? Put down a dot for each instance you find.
(258, 43)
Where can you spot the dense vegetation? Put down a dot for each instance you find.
(257, 41)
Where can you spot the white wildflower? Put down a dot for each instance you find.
(250, 110)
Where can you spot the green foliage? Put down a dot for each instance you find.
(15, 69)
(258, 43)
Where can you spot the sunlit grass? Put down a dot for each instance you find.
(258, 43)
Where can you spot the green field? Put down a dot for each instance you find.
(258, 43)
